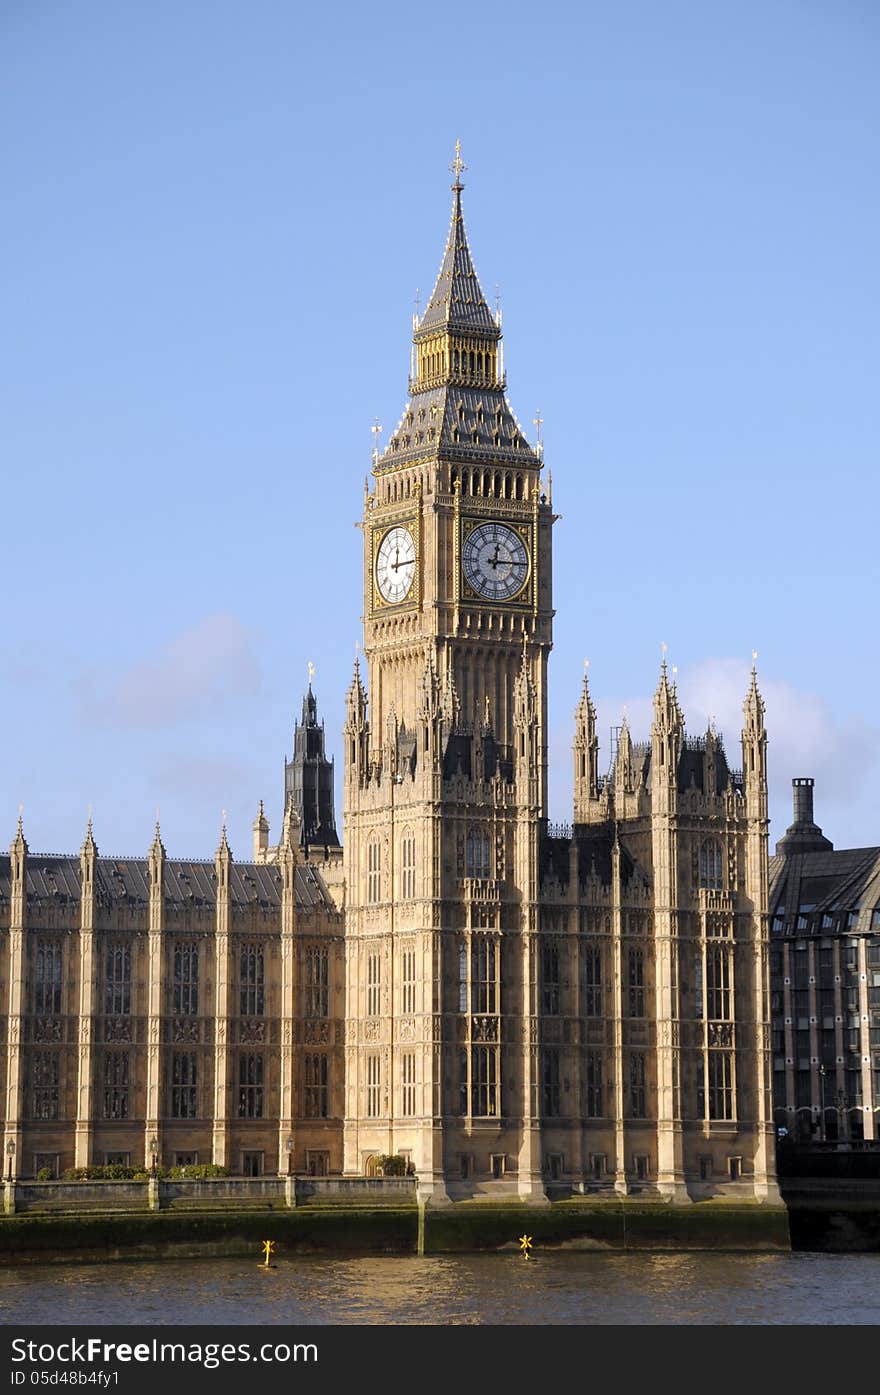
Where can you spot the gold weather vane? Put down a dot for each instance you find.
(458, 166)
(311, 672)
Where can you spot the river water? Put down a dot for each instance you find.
(548, 1288)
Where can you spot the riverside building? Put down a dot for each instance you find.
(514, 1008)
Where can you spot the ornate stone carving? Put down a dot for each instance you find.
(117, 1029)
(252, 1029)
(484, 1029)
(184, 1029)
(371, 1029)
(720, 1034)
(407, 1029)
(49, 1028)
(316, 1031)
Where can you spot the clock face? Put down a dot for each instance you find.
(396, 565)
(495, 561)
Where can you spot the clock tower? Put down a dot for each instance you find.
(446, 764)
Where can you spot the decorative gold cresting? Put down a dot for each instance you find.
(458, 167)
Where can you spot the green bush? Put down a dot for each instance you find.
(45, 1174)
(194, 1172)
(392, 1165)
(100, 1172)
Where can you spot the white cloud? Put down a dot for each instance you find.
(211, 666)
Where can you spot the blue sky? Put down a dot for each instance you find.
(216, 217)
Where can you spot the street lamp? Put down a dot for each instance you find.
(10, 1153)
(822, 1078)
(154, 1154)
(288, 1148)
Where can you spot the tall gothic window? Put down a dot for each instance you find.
(408, 1063)
(720, 1085)
(374, 1086)
(116, 1086)
(711, 870)
(374, 984)
(484, 974)
(315, 1086)
(550, 1081)
(47, 989)
(186, 980)
(592, 981)
(250, 1085)
(44, 1075)
(636, 964)
(637, 1099)
(477, 853)
(462, 978)
(184, 1085)
(117, 980)
(718, 985)
(550, 978)
(317, 976)
(595, 1106)
(408, 974)
(374, 870)
(408, 866)
(484, 1081)
(252, 983)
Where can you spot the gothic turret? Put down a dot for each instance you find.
(586, 754)
(308, 778)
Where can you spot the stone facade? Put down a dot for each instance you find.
(514, 1008)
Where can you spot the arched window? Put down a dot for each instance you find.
(711, 875)
(408, 865)
(477, 853)
(374, 870)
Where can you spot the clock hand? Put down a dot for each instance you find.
(407, 562)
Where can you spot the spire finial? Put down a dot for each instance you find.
(538, 422)
(663, 648)
(376, 429)
(457, 168)
(311, 674)
(20, 813)
(754, 661)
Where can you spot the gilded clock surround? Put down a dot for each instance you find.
(523, 598)
(378, 532)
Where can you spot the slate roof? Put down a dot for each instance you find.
(124, 881)
(842, 885)
(457, 302)
(446, 420)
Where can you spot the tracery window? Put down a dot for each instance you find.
(117, 980)
(315, 1086)
(116, 1085)
(184, 1085)
(45, 1077)
(186, 979)
(47, 988)
(250, 1085)
(477, 853)
(252, 981)
(317, 985)
(408, 866)
(374, 870)
(711, 865)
